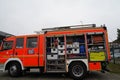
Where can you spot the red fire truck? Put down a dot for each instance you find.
(73, 49)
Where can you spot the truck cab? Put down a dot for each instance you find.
(7, 49)
(19, 53)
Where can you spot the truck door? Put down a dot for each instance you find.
(19, 48)
(7, 50)
(31, 52)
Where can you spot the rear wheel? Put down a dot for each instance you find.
(15, 69)
(77, 70)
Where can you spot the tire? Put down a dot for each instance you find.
(15, 69)
(77, 70)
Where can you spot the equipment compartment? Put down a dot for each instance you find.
(94, 66)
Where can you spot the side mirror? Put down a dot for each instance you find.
(0, 47)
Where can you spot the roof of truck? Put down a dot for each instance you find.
(65, 29)
(74, 27)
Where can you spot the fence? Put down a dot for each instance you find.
(115, 53)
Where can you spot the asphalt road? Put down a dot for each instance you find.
(38, 76)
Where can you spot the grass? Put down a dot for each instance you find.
(114, 68)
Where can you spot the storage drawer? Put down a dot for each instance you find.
(76, 51)
(54, 50)
(94, 66)
(75, 44)
(69, 52)
(69, 46)
(61, 52)
(52, 57)
(61, 47)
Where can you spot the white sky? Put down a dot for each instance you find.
(26, 16)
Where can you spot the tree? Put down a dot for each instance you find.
(118, 35)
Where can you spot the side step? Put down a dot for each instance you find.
(56, 71)
(1, 67)
(1, 70)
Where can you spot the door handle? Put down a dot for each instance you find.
(16, 53)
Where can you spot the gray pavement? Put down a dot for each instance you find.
(37, 76)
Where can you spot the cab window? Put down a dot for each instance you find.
(32, 42)
(7, 45)
(19, 42)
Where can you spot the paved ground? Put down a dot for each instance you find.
(37, 76)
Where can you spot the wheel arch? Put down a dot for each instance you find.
(77, 62)
(82, 61)
(77, 69)
(10, 60)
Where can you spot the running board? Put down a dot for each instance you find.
(56, 71)
(1, 67)
(2, 70)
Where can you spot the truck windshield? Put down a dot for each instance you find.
(7, 45)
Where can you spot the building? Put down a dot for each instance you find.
(115, 47)
(4, 35)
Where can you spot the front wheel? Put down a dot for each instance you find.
(77, 70)
(14, 69)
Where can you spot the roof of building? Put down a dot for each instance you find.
(4, 34)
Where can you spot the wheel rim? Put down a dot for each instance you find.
(77, 70)
(13, 69)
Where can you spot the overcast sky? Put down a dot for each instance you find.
(26, 16)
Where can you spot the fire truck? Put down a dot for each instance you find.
(70, 49)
